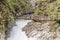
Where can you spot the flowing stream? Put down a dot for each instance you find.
(16, 32)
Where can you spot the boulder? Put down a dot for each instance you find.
(41, 31)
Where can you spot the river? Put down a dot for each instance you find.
(16, 32)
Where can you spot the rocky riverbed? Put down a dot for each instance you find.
(39, 28)
(41, 31)
(2, 36)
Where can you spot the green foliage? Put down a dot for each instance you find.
(54, 27)
(7, 8)
(37, 11)
(51, 9)
(5, 15)
(47, 7)
(58, 1)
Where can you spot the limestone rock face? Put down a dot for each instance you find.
(2, 36)
(33, 2)
(41, 31)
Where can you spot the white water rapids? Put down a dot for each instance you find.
(16, 33)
